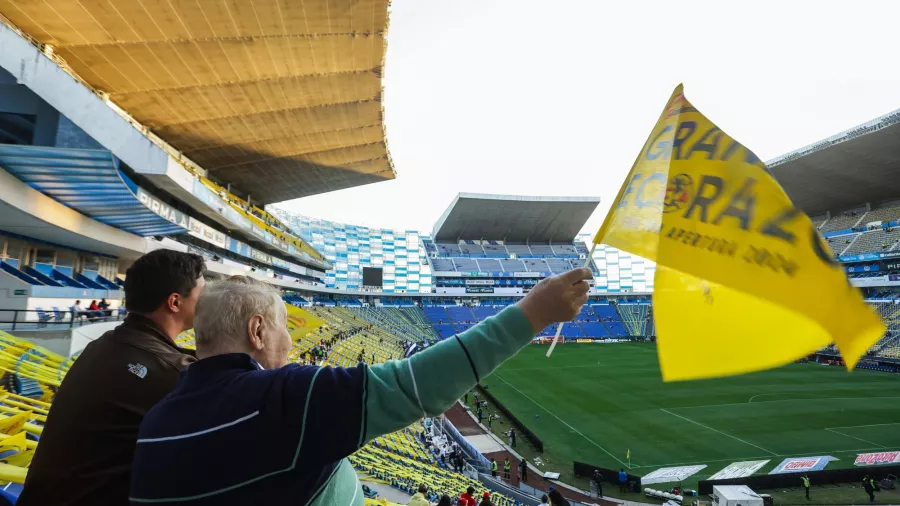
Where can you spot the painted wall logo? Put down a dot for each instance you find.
(139, 370)
(679, 192)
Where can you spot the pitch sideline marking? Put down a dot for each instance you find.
(716, 430)
(786, 400)
(589, 440)
(870, 425)
(856, 438)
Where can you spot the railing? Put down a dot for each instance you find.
(54, 319)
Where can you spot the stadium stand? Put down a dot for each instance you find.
(842, 221)
(876, 240)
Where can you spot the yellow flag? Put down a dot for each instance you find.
(744, 281)
(628, 454)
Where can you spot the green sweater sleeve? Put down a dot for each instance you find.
(398, 393)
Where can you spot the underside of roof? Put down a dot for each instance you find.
(475, 216)
(281, 99)
(854, 167)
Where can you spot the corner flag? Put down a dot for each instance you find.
(744, 281)
(628, 454)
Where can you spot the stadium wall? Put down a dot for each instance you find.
(609, 475)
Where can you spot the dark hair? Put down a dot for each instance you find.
(445, 501)
(153, 277)
(423, 489)
(485, 502)
(557, 499)
(470, 490)
(544, 498)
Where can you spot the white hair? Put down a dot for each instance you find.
(225, 308)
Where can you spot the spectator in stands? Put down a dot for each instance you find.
(88, 441)
(467, 498)
(243, 389)
(103, 306)
(93, 310)
(445, 501)
(545, 501)
(77, 310)
(557, 499)
(486, 500)
(419, 498)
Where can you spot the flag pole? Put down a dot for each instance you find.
(587, 264)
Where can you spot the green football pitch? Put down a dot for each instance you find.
(597, 401)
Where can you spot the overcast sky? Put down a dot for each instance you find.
(556, 98)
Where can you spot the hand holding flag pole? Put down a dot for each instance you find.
(587, 265)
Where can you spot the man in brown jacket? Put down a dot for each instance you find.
(85, 453)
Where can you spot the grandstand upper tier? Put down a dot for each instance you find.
(476, 216)
(845, 171)
(279, 99)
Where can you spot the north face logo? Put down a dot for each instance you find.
(138, 370)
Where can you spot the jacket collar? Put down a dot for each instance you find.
(210, 368)
(135, 323)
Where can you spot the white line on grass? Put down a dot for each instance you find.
(870, 425)
(854, 437)
(716, 430)
(536, 403)
(787, 400)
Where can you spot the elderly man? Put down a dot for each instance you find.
(242, 427)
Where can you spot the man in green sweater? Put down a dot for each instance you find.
(245, 427)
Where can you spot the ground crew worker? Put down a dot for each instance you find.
(506, 469)
(806, 484)
(493, 468)
(869, 486)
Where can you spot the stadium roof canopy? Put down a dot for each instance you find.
(475, 216)
(281, 99)
(846, 170)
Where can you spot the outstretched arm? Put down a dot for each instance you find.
(400, 392)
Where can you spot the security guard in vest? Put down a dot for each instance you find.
(493, 468)
(806, 484)
(506, 469)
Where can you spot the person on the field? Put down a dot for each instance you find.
(805, 479)
(623, 480)
(243, 389)
(869, 486)
(88, 440)
(597, 483)
(512, 437)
